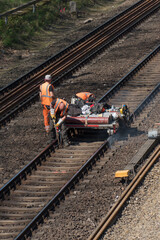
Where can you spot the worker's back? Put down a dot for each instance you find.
(84, 95)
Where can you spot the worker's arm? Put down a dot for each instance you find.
(52, 113)
(61, 120)
(51, 90)
(52, 95)
(64, 117)
(40, 94)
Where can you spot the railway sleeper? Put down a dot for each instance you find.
(130, 170)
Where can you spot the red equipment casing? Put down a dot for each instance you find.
(89, 120)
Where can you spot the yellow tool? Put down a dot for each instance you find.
(122, 173)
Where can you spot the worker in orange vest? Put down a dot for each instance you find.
(82, 98)
(47, 96)
(86, 96)
(58, 111)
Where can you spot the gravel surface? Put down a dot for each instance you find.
(24, 137)
(80, 213)
(15, 63)
(141, 218)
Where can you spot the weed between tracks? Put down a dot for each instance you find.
(22, 27)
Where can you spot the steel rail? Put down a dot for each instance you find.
(92, 40)
(144, 103)
(60, 54)
(39, 218)
(60, 195)
(74, 64)
(114, 89)
(25, 5)
(66, 57)
(62, 192)
(17, 180)
(109, 218)
(5, 190)
(127, 77)
(110, 93)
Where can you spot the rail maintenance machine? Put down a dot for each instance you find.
(110, 119)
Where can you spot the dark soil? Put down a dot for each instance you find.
(24, 137)
(87, 204)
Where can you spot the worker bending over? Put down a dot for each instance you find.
(87, 102)
(46, 96)
(58, 111)
(86, 96)
(83, 98)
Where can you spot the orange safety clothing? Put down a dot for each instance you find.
(46, 115)
(84, 95)
(46, 97)
(56, 106)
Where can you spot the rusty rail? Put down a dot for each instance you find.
(108, 219)
(71, 59)
(23, 6)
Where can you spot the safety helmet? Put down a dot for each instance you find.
(48, 77)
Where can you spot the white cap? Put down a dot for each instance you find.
(48, 77)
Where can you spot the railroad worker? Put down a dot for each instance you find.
(58, 112)
(83, 98)
(46, 96)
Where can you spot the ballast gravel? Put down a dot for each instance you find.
(81, 212)
(24, 137)
(141, 218)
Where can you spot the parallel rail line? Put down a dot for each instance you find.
(17, 9)
(124, 91)
(24, 91)
(55, 176)
(18, 208)
(113, 212)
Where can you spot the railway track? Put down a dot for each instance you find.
(143, 79)
(21, 206)
(54, 167)
(113, 212)
(21, 93)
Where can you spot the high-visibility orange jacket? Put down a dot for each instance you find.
(84, 95)
(56, 105)
(46, 97)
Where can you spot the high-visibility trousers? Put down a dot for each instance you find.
(46, 115)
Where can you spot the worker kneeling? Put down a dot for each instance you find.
(58, 113)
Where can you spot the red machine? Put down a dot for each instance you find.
(108, 120)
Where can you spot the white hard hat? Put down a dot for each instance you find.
(48, 77)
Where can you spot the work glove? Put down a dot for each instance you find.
(52, 114)
(58, 124)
